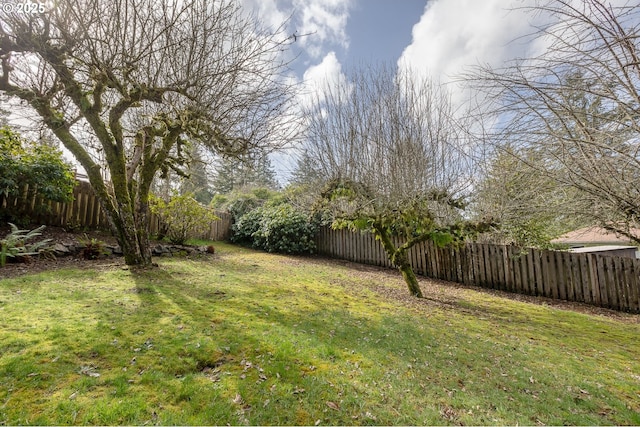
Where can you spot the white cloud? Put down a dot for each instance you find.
(452, 36)
(316, 77)
(322, 22)
(269, 12)
(455, 34)
(328, 69)
(321, 25)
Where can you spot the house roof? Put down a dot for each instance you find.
(595, 236)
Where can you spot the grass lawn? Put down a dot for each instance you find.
(245, 337)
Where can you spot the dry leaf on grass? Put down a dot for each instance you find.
(238, 399)
(333, 406)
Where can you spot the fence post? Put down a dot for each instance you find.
(634, 285)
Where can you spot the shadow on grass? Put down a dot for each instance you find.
(184, 340)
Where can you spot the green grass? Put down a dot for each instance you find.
(250, 338)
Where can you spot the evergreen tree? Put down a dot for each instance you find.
(235, 174)
(197, 181)
(306, 171)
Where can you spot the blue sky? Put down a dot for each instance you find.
(438, 38)
(377, 31)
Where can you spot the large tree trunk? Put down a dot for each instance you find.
(136, 251)
(398, 257)
(132, 234)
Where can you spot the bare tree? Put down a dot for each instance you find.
(577, 105)
(393, 157)
(135, 81)
(530, 207)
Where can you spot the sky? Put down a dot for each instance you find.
(437, 38)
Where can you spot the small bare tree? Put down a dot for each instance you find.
(577, 106)
(133, 82)
(393, 157)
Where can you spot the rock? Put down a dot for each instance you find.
(60, 250)
(160, 249)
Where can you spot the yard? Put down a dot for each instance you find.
(244, 337)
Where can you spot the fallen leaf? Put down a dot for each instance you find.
(333, 406)
(88, 371)
(298, 390)
(318, 422)
(238, 399)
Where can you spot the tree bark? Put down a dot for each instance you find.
(398, 257)
(402, 263)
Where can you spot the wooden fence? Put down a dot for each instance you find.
(218, 230)
(605, 281)
(84, 211)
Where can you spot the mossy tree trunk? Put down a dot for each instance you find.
(398, 256)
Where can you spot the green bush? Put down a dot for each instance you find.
(183, 216)
(240, 202)
(281, 228)
(38, 166)
(246, 226)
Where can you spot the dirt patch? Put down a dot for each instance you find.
(43, 264)
(67, 250)
(61, 235)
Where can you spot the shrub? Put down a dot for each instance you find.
(93, 248)
(281, 228)
(240, 202)
(246, 226)
(183, 216)
(38, 167)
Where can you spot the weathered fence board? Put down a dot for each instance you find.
(606, 281)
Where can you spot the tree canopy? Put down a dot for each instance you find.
(576, 106)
